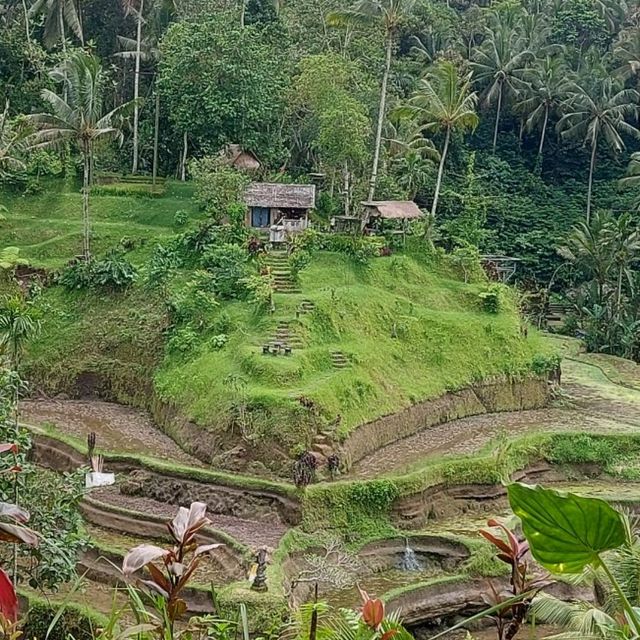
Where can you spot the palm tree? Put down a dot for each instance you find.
(627, 53)
(136, 7)
(388, 13)
(12, 144)
(547, 82)
(147, 49)
(59, 14)
(19, 323)
(599, 112)
(498, 64)
(79, 119)
(444, 101)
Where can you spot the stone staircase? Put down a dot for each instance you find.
(306, 306)
(339, 360)
(278, 263)
(323, 446)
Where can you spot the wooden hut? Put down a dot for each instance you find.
(279, 205)
(241, 159)
(375, 212)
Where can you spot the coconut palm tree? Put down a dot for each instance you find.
(444, 102)
(19, 323)
(599, 111)
(627, 54)
(12, 144)
(147, 49)
(79, 119)
(546, 89)
(59, 15)
(136, 7)
(498, 64)
(389, 14)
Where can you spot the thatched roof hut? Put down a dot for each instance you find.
(392, 210)
(280, 196)
(238, 158)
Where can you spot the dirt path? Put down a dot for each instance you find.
(119, 429)
(590, 401)
(252, 533)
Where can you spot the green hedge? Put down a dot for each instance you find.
(75, 622)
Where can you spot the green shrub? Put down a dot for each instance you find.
(492, 298)
(360, 248)
(183, 340)
(229, 265)
(298, 261)
(180, 219)
(74, 622)
(113, 272)
(219, 341)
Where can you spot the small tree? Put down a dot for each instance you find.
(78, 116)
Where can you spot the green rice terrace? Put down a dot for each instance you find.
(413, 398)
(319, 319)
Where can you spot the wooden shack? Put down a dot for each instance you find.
(402, 211)
(235, 156)
(282, 205)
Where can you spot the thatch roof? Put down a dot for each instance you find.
(280, 196)
(235, 156)
(393, 209)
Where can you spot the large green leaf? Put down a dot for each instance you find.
(566, 532)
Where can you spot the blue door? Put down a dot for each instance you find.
(260, 216)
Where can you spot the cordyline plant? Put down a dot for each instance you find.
(178, 563)
(12, 519)
(522, 586)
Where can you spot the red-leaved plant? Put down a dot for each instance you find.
(12, 531)
(373, 616)
(522, 587)
(178, 562)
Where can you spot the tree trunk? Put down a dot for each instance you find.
(156, 135)
(591, 167)
(497, 124)
(26, 20)
(347, 189)
(443, 159)
(63, 41)
(86, 227)
(183, 169)
(383, 104)
(243, 9)
(619, 292)
(136, 90)
(544, 130)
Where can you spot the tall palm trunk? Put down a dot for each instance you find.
(383, 105)
(591, 167)
(136, 90)
(183, 164)
(86, 186)
(544, 129)
(497, 124)
(347, 188)
(26, 20)
(443, 158)
(156, 135)
(63, 41)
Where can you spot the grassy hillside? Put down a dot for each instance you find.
(47, 227)
(367, 340)
(443, 342)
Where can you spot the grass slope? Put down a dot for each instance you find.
(48, 227)
(409, 327)
(443, 342)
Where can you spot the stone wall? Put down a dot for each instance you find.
(486, 397)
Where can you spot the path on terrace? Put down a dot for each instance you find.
(590, 401)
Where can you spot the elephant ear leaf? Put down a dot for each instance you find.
(566, 532)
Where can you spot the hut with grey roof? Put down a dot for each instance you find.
(280, 208)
